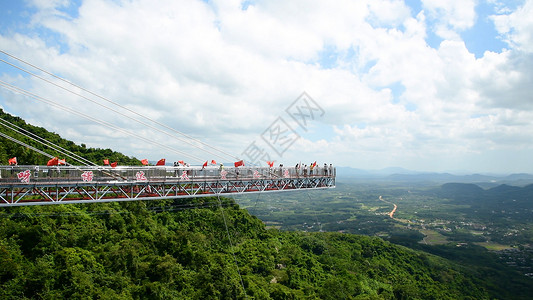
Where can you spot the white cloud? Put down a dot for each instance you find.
(223, 74)
(389, 13)
(517, 26)
(451, 17)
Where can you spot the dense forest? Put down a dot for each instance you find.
(206, 248)
(180, 249)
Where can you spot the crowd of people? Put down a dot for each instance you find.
(312, 169)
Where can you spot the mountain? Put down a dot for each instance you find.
(504, 189)
(402, 175)
(468, 189)
(500, 199)
(520, 176)
(193, 249)
(348, 172)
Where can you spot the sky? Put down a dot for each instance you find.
(424, 85)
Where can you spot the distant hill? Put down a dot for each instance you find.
(502, 198)
(348, 172)
(504, 189)
(441, 177)
(462, 188)
(457, 190)
(401, 175)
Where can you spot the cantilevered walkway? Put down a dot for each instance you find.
(40, 185)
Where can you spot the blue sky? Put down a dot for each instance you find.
(421, 84)
(483, 35)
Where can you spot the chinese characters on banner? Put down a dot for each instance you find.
(184, 175)
(87, 176)
(24, 176)
(280, 136)
(223, 174)
(140, 176)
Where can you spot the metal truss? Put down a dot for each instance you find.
(62, 191)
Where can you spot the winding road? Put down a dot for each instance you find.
(391, 214)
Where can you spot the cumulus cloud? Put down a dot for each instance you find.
(223, 71)
(517, 27)
(451, 16)
(505, 79)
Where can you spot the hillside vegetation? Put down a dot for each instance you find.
(160, 250)
(26, 156)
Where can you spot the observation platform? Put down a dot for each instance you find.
(42, 185)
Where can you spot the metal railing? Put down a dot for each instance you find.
(30, 174)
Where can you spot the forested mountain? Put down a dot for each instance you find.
(26, 156)
(502, 197)
(181, 250)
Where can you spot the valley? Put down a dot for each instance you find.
(455, 216)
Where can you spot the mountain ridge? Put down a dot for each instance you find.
(404, 175)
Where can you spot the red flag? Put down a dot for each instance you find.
(213, 162)
(160, 162)
(314, 164)
(270, 163)
(204, 165)
(13, 161)
(144, 162)
(62, 161)
(52, 162)
(113, 165)
(181, 162)
(106, 162)
(239, 163)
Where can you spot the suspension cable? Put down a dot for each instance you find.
(106, 107)
(25, 145)
(39, 98)
(46, 143)
(116, 104)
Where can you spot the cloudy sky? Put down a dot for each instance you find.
(426, 85)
